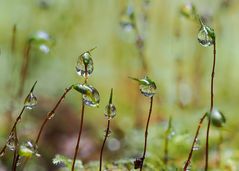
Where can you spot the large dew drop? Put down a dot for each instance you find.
(147, 87)
(110, 111)
(28, 149)
(91, 96)
(30, 101)
(84, 65)
(206, 36)
(217, 118)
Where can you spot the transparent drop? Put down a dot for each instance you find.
(30, 101)
(84, 66)
(217, 117)
(171, 134)
(28, 149)
(11, 142)
(20, 160)
(147, 87)
(196, 145)
(110, 111)
(126, 21)
(204, 36)
(91, 96)
(109, 133)
(44, 48)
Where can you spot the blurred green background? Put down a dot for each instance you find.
(177, 63)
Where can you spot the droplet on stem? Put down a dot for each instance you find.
(147, 86)
(196, 145)
(11, 142)
(30, 101)
(206, 36)
(189, 11)
(28, 149)
(91, 96)
(126, 21)
(189, 166)
(84, 66)
(217, 117)
(110, 111)
(109, 132)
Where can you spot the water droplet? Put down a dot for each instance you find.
(28, 149)
(113, 144)
(91, 96)
(196, 145)
(84, 64)
(11, 142)
(126, 21)
(30, 101)
(217, 117)
(110, 111)
(109, 133)
(189, 166)
(147, 87)
(206, 36)
(42, 40)
(171, 134)
(51, 115)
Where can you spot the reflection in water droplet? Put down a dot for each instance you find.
(147, 87)
(84, 63)
(109, 133)
(11, 141)
(30, 101)
(110, 111)
(44, 48)
(196, 145)
(28, 149)
(91, 96)
(204, 37)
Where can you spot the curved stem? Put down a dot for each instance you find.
(15, 150)
(194, 141)
(51, 113)
(103, 145)
(79, 135)
(13, 128)
(211, 106)
(146, 133)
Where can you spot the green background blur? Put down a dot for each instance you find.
(177, 63)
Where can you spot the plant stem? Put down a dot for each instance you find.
(13, 128)
(13, 41)
(212, 102)
(146, 133)
(52, 112)
(24, 68)
(103, 145)
(194, 141)
(15, 150)
(79, 135)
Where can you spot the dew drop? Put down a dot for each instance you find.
(28, 149)
(11, 142)
(196, 145)
(217, 117)
(91, 96)
(147, 87)
(84, 66)
(206, 36)
(109, 133)
(51, 115)
(110, 111)
(126, 21)
(188, 10)
(30, 101)
(189, 166)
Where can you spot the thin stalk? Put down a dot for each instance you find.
(13, 41)
(15, 150)
(24, 68)
(79, 136)
(166, 151)
(81, 124)
(51, 113)
(194, 141)
(212, 103)
(103, 145)
(146, 133)
(13, 128)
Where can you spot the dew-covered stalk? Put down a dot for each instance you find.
(110, 112)
(29, 103)
(194, 142)
(52, 113)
